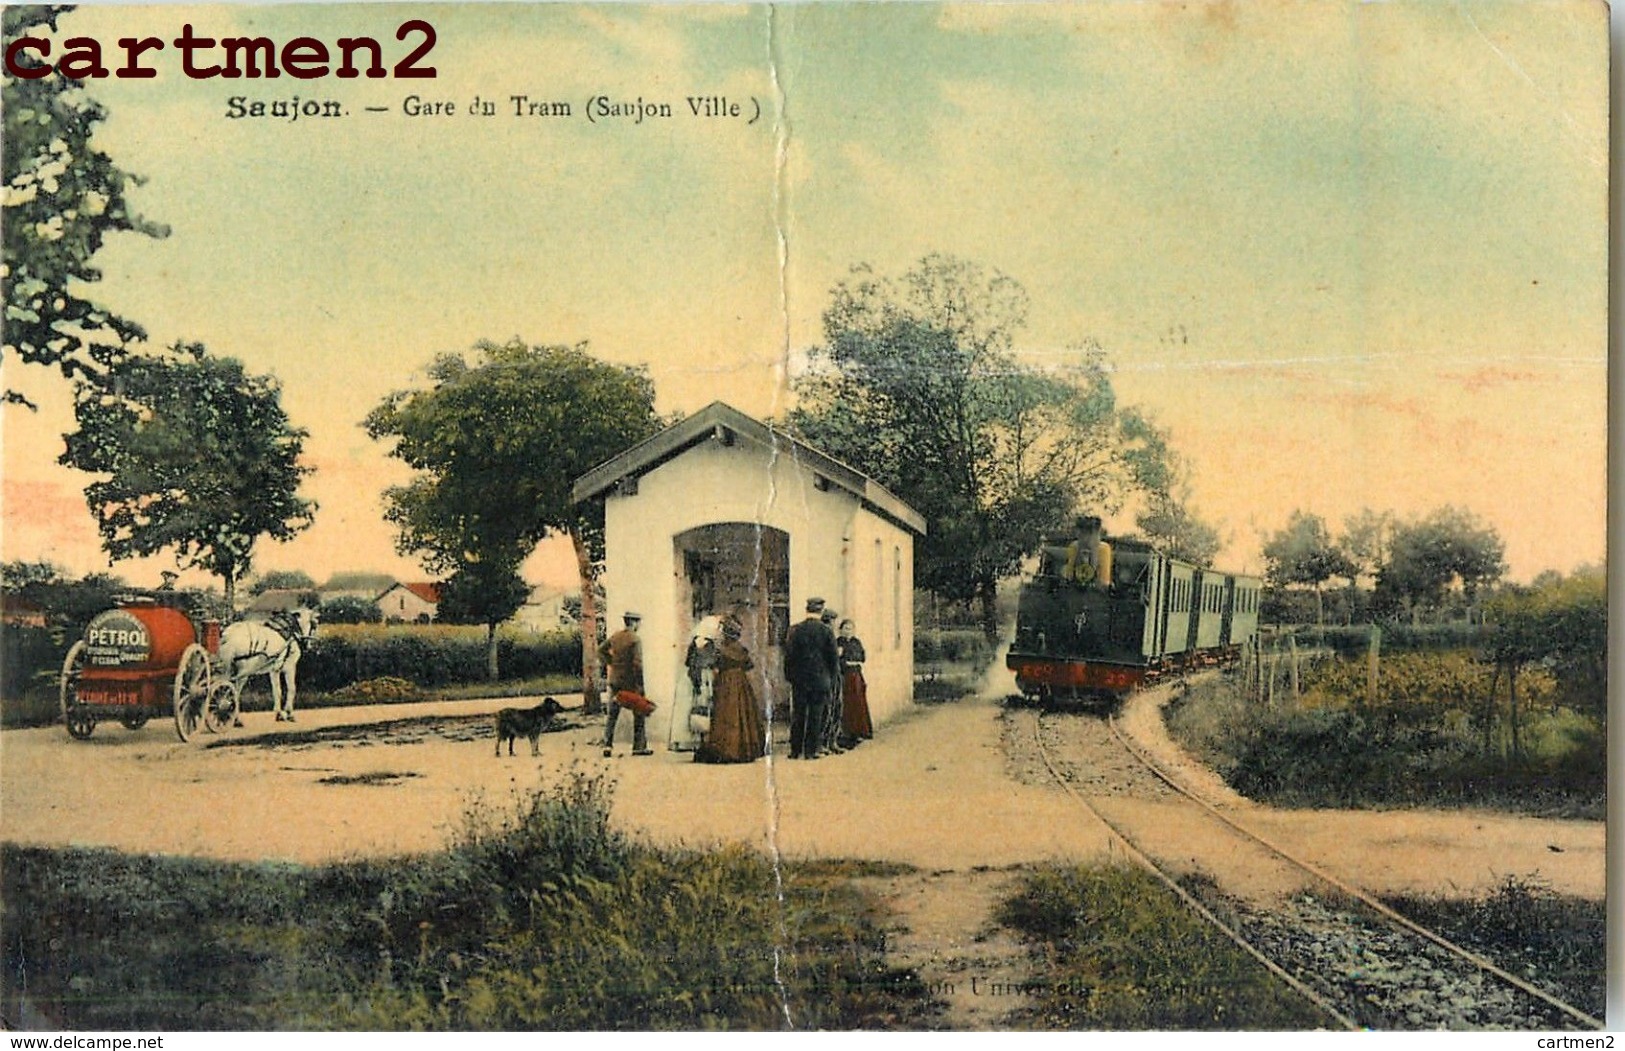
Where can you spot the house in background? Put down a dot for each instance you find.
(548, 609)
(356, 585)
(410, 603)
(721, 513)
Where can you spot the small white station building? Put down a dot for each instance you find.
(723, 514)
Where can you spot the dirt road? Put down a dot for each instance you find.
(949, 787)
(956, 791)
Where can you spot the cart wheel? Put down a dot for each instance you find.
(221, 710)
(80, 720)
(191, 690)
(135, 720)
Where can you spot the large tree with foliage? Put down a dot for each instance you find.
(497, 444)
(282, 580)
(1166, 521)
(1303, 553)
(1174, 529)
(1560, 623)
(59, 199)
(197, 456)
(1432, 556)
(917, 384)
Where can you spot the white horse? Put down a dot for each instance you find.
(271, 647)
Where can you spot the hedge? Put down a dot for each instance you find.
(433, 658)
(1351, 641)
(953, 646)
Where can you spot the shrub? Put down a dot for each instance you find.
(381, 690)
(432, 656)
(953, 646)
(350, 609)
(1420, 745)
(1355, 640)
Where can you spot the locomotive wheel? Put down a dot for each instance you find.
(191, 690)
(80, 720)
(221, 709)
(135, 720)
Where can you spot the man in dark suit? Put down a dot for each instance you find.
(622, 653)
(811, 664)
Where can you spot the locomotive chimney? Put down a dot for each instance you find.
(1088, 549)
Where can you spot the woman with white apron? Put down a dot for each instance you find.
(691, 708)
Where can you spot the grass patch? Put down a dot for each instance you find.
(1552, 940)
(943, 683)
(392, 690)
(852, 868)
(371, 777)
(1118, 951)
(538, 916)
(1411, 753)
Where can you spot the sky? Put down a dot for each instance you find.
(1349, 255)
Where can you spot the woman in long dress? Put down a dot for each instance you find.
(855, 723)
(736, 733)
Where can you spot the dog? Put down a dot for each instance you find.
(513, 723)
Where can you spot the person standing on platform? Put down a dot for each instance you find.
(855, 723)
(622, 653)
(830, 740)
(694, 688)
(812, 665)
(737, 734)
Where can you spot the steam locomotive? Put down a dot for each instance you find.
(1102, 617)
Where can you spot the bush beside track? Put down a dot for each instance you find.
(1423, 744)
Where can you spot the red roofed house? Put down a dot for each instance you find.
(412, 603)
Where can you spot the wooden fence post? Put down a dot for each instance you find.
(1373, 656)
(1274, 659)
(1292, 669)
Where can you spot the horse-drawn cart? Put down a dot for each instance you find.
(142, 660)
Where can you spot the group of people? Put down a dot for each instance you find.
(829, 700)
(721, 719)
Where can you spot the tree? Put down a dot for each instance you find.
(1429, 557)
(1367, 535)
(1173, 529)
(1303, 553)
(917, 385)
(350, 609)
(1561, 623)
(498, 444)
(1167, 521)
(283, 580)
(16, 574)
(62, 197)
(199, 456)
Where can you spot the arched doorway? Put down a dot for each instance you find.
(743, 569)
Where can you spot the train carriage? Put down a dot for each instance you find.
(1208, 620)
(1241, 610)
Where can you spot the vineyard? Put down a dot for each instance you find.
(1438, 730)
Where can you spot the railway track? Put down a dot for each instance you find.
(1363, 965)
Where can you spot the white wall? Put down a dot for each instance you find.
(713, 483)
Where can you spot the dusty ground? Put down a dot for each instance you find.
(955, 790)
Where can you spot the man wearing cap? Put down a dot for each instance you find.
(622, 653)
(811, 664)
